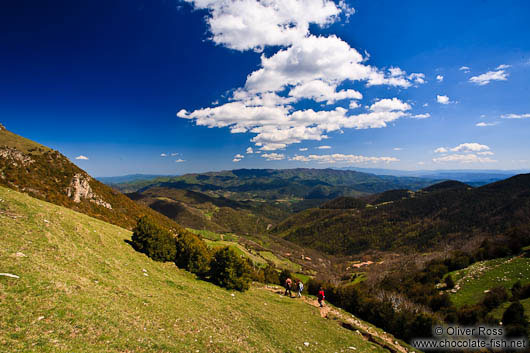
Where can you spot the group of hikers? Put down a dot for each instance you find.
(299, 287)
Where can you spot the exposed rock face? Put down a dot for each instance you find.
(2, 128)
(80, 189)
(16, 156)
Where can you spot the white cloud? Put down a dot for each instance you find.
(515, 116)
(498, 75)
(273, 156)
(464, 68)
(249, 150)
(421, 116)
(180, 160)
(440, 78)
(417, 78)
(441, 150)
(463, 158)
(387, 105)
(324, 147)
(354, 104)
(484, 124)
(470, 147)
(425, 104)
(486, 153)
(342, 158)
(442, 99)
(503, 66)
(321, 91)
(238, 157)
(397, 148)
(163, 154)
(82, 158)
(174, 154)
(253, 24)
(303, 149)
(303, 66)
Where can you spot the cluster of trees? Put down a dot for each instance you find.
(222, 267)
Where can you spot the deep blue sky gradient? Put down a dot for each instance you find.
(105, 79)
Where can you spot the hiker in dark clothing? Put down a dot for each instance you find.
(321, 297)
(288, 284)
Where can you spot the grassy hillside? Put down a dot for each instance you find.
(48, 175)
(82, 288)
(474, 280)
(450, 214)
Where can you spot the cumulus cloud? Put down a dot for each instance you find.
(440, 78)
(324, 147)
(397, 148)
(421, 116)
(499, 74)
(464, 68)
(273, 156)
(463, 158)
(303, 149)
(303, 66)
(82, 158)
(249, 150)
(484, 124)
(238, 157)
(342, 158)
(515, 116)
(180, 160)
(470, 152)
(163, 154)
(443, 99)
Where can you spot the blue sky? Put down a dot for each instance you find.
(171, 87)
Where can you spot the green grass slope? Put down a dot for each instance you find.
(481, 276)
(82, 288)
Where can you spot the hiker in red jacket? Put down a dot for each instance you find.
(287, 285)
(321, 297)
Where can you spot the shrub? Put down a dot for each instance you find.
(270, 275)
(153, 240)
(229, 270)
(495, 297)
(283, 276)
(514, 320)
(192, 254)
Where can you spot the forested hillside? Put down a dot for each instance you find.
(449, 214)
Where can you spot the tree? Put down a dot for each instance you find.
(228, 270)
(153, 240)
(514, 320)
(192, 254)
(449, 283)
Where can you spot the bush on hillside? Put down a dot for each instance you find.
(449, 283)
(229, 270)
(192, 254)
(495, 297)
(283, 276)
(514, 320)
(270, 274)
(154, 241)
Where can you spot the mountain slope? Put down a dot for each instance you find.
(48, 175)
(446, 216)
(82, 288)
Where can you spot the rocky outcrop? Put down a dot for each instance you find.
(17, 157)
(2, 128)
(80, 189)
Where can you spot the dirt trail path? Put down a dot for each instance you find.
(350, 322)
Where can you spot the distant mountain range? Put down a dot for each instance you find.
(449, 214)
(474, 177)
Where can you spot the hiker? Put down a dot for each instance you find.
(321, 297)
(300, 286)
(288, 283)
